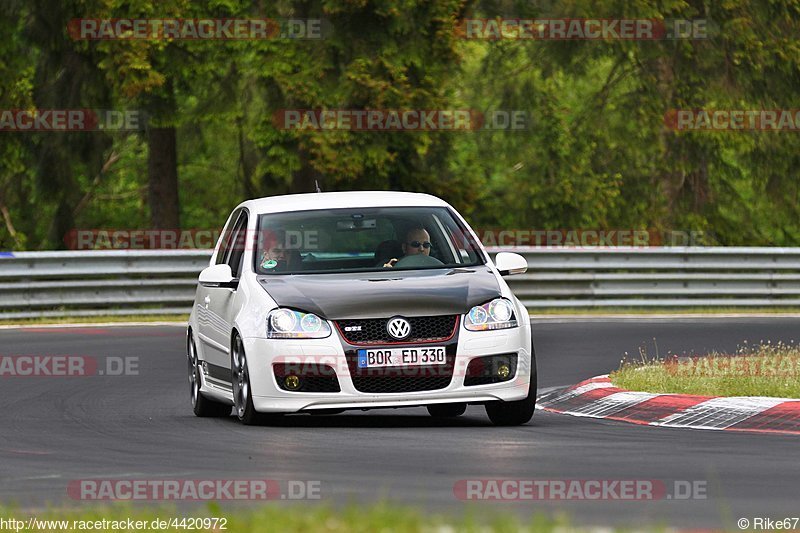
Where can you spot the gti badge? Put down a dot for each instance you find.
(398, 327)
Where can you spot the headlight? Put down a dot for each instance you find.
(290, 324)
(497, 314)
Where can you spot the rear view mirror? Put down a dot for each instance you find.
(509, 263)
(356, 224)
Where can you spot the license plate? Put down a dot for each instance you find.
(384, 357)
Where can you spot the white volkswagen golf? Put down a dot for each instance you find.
(325, 302)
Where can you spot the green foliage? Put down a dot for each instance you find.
(596, 152)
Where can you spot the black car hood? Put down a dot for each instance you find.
(383, 294)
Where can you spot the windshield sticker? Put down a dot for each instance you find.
(270, 263)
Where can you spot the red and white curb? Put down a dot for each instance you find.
(598, 398)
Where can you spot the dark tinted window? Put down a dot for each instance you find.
(227, 233)
(237, 245)
(362, 239)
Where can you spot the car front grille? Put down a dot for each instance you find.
(394, 384)
(401, 379)
(424, 329)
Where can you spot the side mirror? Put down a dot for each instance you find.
(510, 263)
(218, 276)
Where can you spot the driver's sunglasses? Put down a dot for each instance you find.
(417, 244)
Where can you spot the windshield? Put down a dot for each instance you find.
(359, 240)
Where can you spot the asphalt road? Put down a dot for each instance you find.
(53, 430)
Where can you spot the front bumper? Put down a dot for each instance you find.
(269, 397)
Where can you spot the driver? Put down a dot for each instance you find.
(417, 241)
(274, 255)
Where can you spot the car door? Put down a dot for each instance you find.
(206, 325)
(219, 303)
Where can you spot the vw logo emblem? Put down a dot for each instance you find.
(398, 327)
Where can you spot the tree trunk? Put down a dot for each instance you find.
(162, 178)
(304, 178)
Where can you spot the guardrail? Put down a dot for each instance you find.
(99, 283)
(55, 284)
(659, 277)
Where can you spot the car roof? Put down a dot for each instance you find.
(333, 200)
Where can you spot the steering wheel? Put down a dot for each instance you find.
(418, 260)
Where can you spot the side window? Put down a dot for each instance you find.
(442, 247)
(238, 243)
(457, 242)
(227, 233)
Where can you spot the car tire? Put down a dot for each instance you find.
(447, 410)
(201, 405)
(242, 392)
(517, 412)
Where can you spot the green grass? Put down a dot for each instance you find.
(766, 369)
(299, 518)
